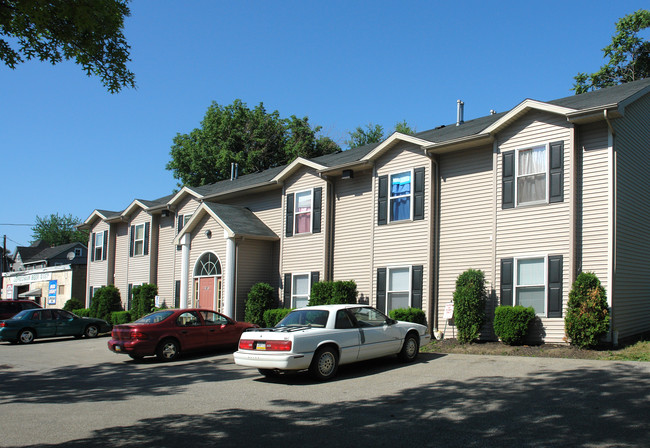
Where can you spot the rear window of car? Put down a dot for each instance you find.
(25, 314)
(154, 318)
(301, 318)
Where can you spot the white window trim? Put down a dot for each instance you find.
(545, 284)
(99, 247)
(293, 292)
(311, 212)
(389, 291)
(547, 148)
(410, 196)
(136, 239)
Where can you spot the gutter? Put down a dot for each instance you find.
(611, 212)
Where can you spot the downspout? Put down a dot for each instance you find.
(432, 256)
(611, 240)
(573, 206)
(329, 229)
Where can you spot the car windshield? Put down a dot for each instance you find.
(301, 318)
(23, 315)
(154, 318)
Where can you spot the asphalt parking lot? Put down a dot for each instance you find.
(75, 393)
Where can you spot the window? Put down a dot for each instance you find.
(139, 240)
(530, 283)
(303, 212)
(99, 246)
(400, 196)
(61, 290)
(531, 175)
(300, 288)
(212, 318)
(78, 252)
(398, 292)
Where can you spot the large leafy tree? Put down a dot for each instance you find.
(56, 230)
(86, 31)
(253, 138)
(629, 56)
(374, 133)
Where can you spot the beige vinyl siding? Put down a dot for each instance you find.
(97, 270)
(353, 203)
(202, 244)
(594, 201)
(632, 284)
(254, 258)
(267, 206)
(466, 221)
(403, 243)
(304, 252)
(537, 230)
(122, 260)
(139, 268)
(166, 253)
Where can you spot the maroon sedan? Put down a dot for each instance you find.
(167, 333)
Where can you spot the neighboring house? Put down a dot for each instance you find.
(532, 197)
(49, 275)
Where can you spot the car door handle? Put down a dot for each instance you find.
(183, 331)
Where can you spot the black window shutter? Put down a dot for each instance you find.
(90, 296)
(418, 194)
(132, 241)
(382, 202)
(556, 181)
(315, 276)
(508, 180)
(179, 227)
(381, 289)
(129, 296)
(92, 244)
(177, 294)
(416, 286)
(318, 205)
(105, 247)
(507, 271)
(287, 290)
(555, 286)
(289, 216)
(146, 238)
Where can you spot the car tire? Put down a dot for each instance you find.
(26, 336)
(168, 350)
(410, 348)
(325, 364)
(91, 331)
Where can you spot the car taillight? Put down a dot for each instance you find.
(138, 335)
(2, 324)
(280, 346)
(246, 344)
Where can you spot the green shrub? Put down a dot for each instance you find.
(511, 323)
(120, 317)
(143, 299)
(587, 317)
(73, 304)
(272, 317)
(106, 300)
(470, 297)
(261, 298)
(333, 293)
(82, 312)
(415, 315)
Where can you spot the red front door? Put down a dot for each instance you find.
(206, 293)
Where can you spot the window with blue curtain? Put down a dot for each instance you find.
(400, 196)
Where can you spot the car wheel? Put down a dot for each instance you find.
(91, 331)
(269, 373)
(168, 350)
(325, 364)
(410, 348)
(26, 336)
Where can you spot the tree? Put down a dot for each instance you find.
(56, 230)
(404, 128)
(253, 138)
(88, 31)
(587, 317)
(470, 297)
(373, 133)
(629, 56)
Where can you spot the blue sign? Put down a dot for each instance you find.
(51, 293)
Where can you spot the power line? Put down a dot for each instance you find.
(11, 224)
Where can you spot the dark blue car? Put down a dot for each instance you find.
(28, 325)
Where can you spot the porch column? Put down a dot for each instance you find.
(229, 282)
(185, 268)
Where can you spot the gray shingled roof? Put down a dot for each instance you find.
(51, 252)
(241, 220)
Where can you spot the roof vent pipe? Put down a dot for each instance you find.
(234, 171)
(460, 113)
(493, 112)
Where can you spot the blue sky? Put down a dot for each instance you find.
(67, 146)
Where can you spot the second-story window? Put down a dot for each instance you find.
(400, 196)
(531, 175)
(302, 212)
(99, 245)
(138, 248)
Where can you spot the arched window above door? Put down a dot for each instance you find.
(207, 266)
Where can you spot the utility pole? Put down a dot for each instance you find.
(4, 263)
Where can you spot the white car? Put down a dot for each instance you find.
(320, 338)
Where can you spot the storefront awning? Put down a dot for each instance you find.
(31, 293)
